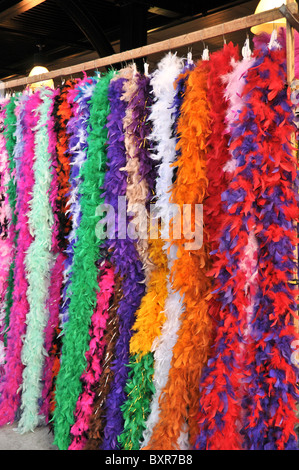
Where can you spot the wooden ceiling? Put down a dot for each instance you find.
(73, 31)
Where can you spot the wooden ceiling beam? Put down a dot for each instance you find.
(47, 39)
(18, 9)
(88, 25)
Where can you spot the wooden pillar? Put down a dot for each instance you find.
(290, 45)
(290, 58)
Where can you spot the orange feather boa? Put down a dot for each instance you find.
(179, 398)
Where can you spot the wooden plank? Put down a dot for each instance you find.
(239, 24)
(18, 8)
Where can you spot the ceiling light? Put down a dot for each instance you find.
(265, 5)
(38, 69)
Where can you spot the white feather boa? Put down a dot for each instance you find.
(162, 118)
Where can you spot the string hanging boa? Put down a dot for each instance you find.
(261, 149)
(10, 387)
(118, 248)
(150, 317)
(146, 329)
(6, 234)
(84, 286)
(97, 419)
(139, 166)
(10, 130)
(170, 66)
(61, 113)
(125, 255)
(226, 351)
(271, 389)
(77, 129)
(94, 358)
(234, 87)
(179, 399)
(56, 279)
(38, 264)
(220, 63)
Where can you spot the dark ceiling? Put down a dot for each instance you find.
(71, 30)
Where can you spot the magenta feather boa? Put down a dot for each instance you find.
(94, 356)
(6, 235)
(10, 387)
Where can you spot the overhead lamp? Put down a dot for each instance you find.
(265, 5)
(38, 69)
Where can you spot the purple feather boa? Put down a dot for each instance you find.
(141, 106)
(126, 261)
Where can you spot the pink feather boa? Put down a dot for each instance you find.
(10, 387)
(6, 235)
(94, 358)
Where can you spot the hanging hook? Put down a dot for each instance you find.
(189, 56)
(223, 34)
(246, 51)
(206, 54)
(134, 69)
(274, 44)
(145, 67)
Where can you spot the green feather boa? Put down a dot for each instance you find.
(10, 122)
(84, 273)
(139, 389)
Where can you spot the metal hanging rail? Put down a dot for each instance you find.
(289, 11)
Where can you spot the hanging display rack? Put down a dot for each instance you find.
(288, 11)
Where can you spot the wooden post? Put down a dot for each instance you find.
(290, 45)
(290, 58)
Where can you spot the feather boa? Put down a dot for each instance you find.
(150, 317)
(86, 253)
(97, 419)
(147, 327)
(54, 298)
(234, 85)
(124, 257)
(114, 186)
(61, 113)
(138, 167)
(231, 337)
(6, 235)
(163, 345)
(271, 378)
(38, 263)
(220, 64)
(180, 395)
(264, 103)
(94, 358)
(77, 129)
(10, 136)
(10, 387)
